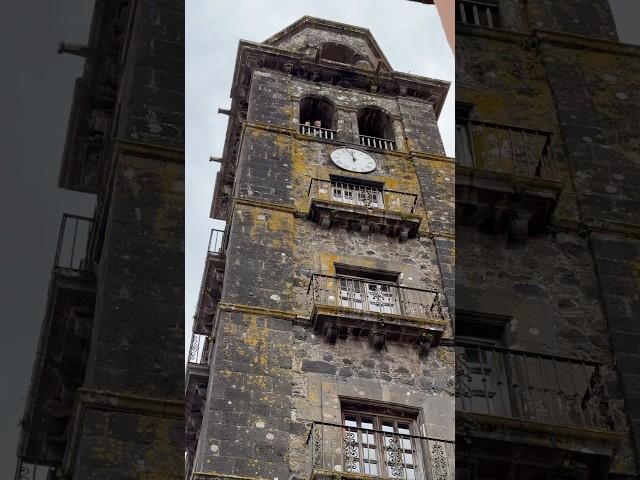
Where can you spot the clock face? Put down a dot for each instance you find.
(353, 160)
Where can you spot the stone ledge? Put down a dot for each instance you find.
(469, 424)
(262, 204)
(149, 150)
(234, 307)
(326, 212)
(222, 476)
(114, 402)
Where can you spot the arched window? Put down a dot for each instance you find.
(318, 118)
(376, 129)
(337, 53)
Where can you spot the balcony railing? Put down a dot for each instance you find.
(199, 349)
(531, 387)
(477, 13)
(379, 143)
(363, 195)
(505, 149)
(375, 297)
(377, 453)
(33, 470)
(73, 243)
(319, 132)
(217, 241)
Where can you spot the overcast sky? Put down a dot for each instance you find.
(409, 34)
(37, 84)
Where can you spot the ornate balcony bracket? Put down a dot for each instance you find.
(401, 314)
(529, 398)
(364, 209)
(479, 437)
(504, 203)
(333, 322)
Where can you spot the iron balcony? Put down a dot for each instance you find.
(365, 207)
(345, 306)
(353, 452)
(531, 387)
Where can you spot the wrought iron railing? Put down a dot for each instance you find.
(217, 241)
(319, 132)
(505, 149)
(73, 243)
(373, 296)
(368, 196)
(532, 387)
(379, 143)
(199, 349)
(33, 470)
(477, 13)
(379, 453)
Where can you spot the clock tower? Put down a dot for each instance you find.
(322, 340)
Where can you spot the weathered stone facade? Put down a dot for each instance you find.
(546, 250)
(284, 358)
(106, 399)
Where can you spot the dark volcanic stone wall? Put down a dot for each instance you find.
(572, 290)
(136, 353)
(597, 87)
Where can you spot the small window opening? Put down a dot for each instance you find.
(317, 113)
(368, 289)
(337, 53)
(376, 129)
(474, 12)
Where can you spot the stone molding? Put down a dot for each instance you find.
(236, 307)
(149, 150)
(115, 402)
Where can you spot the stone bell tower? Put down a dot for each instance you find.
(322, 340)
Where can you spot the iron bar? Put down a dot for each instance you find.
(217, 240)
(370, 196)
(535, 160)
(534, 388)
(319, 132)
(471, 13)
(387, 453)
(373, 296)
(72, 249)
(379, 143)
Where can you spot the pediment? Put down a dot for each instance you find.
(332, 42)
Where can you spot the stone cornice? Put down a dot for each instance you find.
(431, 156)
(222, 476)
(236, 307)
(586, 43)
(115, 402)
(535, 37)
(149, 150)
(598, 225)
(262, 204)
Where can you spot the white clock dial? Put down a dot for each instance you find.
(353, 160)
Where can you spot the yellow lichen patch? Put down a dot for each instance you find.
(161, 458)
(254, 337)
(256, 382)
(635, 266)
(301, 177)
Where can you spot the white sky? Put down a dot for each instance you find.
(409, 33)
